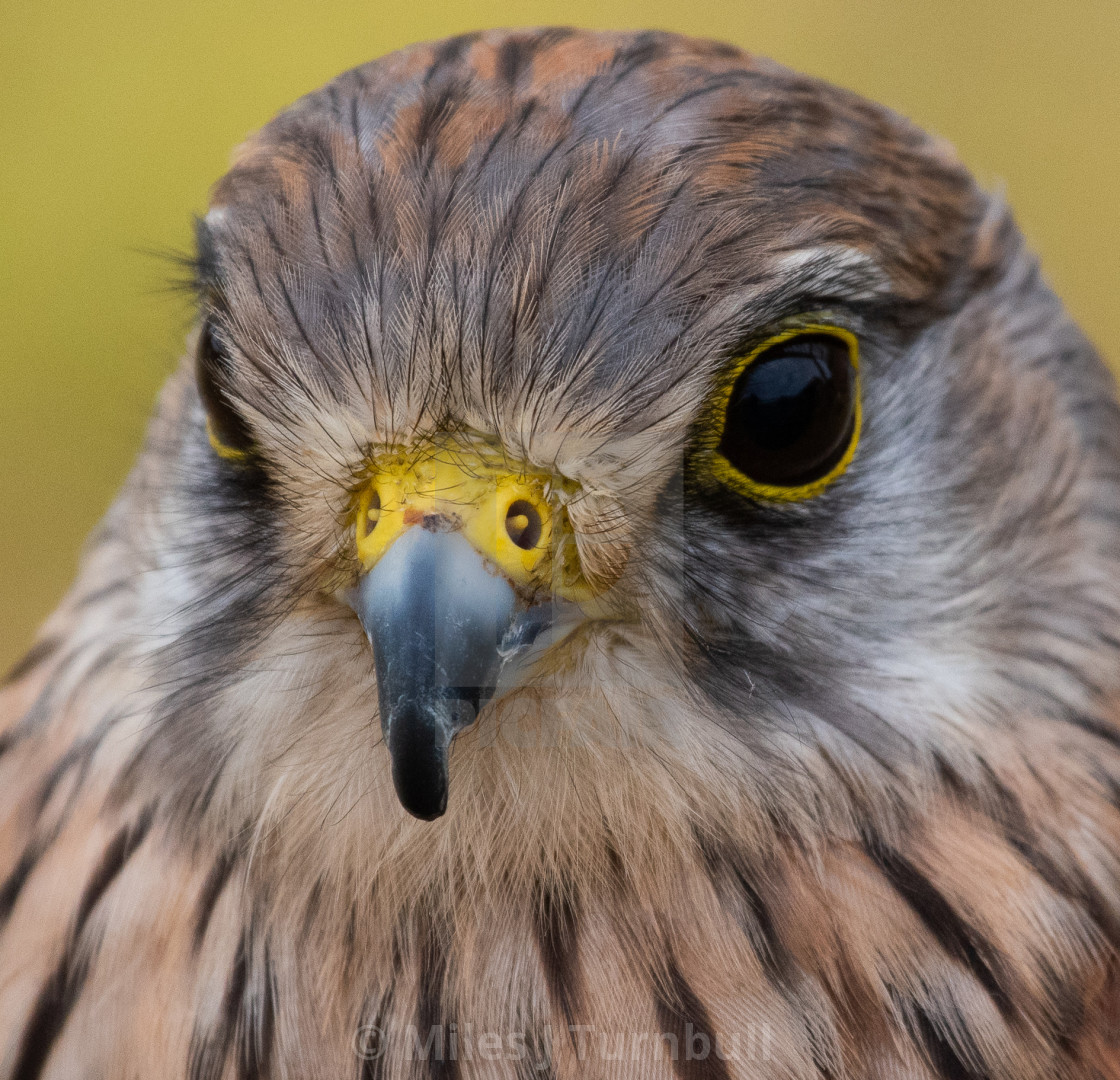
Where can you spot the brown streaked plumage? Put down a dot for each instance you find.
(824, 789)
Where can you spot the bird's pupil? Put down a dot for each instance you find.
(790, 416)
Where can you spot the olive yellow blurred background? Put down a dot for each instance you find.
(116, 116)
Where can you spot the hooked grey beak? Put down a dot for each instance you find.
(443, 625)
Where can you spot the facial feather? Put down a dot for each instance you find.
(831, 785)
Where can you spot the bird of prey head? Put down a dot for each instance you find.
(633, 534)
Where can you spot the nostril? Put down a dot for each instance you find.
(523, 524)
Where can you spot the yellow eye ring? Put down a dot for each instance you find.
(226, 453)
(829, 411)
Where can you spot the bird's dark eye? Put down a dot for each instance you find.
(792, 416)
(230, 435)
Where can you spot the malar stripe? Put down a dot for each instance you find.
(556, 927)
(58, 996)
(682, 1016)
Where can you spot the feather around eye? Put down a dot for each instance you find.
(229, 434)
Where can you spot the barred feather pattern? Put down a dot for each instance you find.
(860, 819)
(602, 925)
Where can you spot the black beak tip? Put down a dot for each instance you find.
(426, 800)
(418, 751)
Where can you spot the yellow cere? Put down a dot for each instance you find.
(508, 517)
(725, 472)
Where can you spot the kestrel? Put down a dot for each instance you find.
(625, 583)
